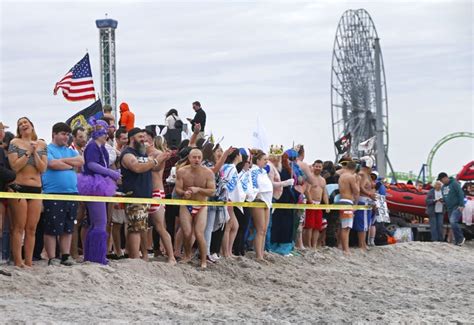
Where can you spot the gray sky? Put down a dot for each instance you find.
(243, 59)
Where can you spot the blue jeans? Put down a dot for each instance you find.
(454, 218)
(436, 227)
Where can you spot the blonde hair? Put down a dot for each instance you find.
(437, 182)
(160, 143)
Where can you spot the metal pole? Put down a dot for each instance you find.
(381, 160)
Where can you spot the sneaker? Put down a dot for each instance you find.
(462, 242)
(215, 257)
(54, 262)
(68, 262)
(210, 259)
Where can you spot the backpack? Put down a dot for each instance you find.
(177, 123)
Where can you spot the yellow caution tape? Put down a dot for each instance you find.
(115, 199)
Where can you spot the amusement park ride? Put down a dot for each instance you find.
(359, 102)
(360, 108)
(358, 89)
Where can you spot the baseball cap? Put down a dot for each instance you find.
(441, 176)
(134, 131)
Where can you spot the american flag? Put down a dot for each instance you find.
(77, 84)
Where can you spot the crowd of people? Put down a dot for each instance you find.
(120, 159)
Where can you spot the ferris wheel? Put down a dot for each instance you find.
(358, 87)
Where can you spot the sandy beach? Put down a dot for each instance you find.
(411, 282)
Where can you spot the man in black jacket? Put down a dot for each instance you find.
(199, 118)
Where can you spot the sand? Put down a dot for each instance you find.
(413, 282)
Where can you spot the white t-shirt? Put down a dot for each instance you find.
(438, 204)
(171, 120)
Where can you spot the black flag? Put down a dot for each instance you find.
(81, 118)
(343, 144)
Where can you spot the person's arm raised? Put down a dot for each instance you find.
(307, 171)
(221, 161)
(193, 140)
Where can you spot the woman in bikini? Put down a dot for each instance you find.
(28, 158)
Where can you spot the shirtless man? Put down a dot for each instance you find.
(194, 182)
(362, 218)
(314, 218)
(304, 182)
(157, 211)
(349, 192)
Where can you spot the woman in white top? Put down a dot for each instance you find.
(264, 189)
(171, 119)
(235, 194)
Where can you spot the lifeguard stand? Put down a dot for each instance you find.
(108, 79)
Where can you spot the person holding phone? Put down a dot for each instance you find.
(435, 210)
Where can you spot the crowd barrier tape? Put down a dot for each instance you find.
(132, 200)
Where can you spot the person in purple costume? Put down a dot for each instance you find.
(97, 179)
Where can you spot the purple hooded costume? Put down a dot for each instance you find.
(97, 179)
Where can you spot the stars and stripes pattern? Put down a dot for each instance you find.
(77, 84)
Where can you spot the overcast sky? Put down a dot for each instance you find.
(241, 59)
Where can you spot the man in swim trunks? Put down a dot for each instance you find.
(313, 225)
(349, 192)
(362, 218)
(194, 182)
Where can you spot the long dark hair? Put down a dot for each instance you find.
(208, 153)
(230, 158)
(172, 112)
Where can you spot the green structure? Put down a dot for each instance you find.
(438, 144)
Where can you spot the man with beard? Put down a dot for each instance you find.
(136, 169)
(316, 193)
(79, 140)
(194, 182)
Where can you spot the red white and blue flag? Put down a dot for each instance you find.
(77, 84)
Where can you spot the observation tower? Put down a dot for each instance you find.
(108, 79)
